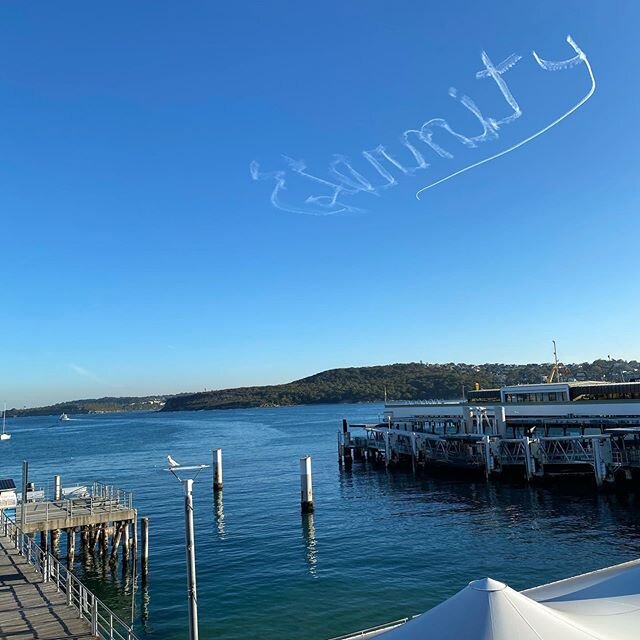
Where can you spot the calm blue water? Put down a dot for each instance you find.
(379, 546)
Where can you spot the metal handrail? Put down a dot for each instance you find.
(67, 508)
(104, 623)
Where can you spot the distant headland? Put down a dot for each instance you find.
(410, 381)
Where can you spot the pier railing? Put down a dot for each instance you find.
(46, 511)
(102, 499)
(97, 490)
(103, 622)
(108, 491)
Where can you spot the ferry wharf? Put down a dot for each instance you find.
(564, 431)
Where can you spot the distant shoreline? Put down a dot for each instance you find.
(353, 385)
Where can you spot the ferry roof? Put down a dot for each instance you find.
(572, 385)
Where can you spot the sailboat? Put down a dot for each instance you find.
(4, 435)
(64, 417)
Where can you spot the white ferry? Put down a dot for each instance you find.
(559, 408)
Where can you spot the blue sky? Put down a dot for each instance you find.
(139, 255)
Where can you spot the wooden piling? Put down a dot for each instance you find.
(71, 547)
(217, 470)
(145, 546)
(95, 537)
(43, 541)
(104, 539)
(126, 543)
(306, 485)
(116, 540)
(84, 540)
(346, 439)
(55, 542)
(134, 543)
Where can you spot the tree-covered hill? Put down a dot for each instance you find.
(413, 381)
(96, 405)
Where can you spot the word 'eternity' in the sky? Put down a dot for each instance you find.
(347, 181)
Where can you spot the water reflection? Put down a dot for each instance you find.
(218, 513)
(146, 601)
(311, 550)
(564, 508)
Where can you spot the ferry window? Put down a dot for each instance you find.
(552, 396)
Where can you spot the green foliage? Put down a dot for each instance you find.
(412, 381)
(99, 405)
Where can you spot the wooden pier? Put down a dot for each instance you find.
(40, 598)
(100, 515)
(31, 608)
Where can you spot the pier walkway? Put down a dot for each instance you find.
(31, 608)
(41, 598)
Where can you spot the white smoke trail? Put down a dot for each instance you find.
(298, 166)
(547, 66)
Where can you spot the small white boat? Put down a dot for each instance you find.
(64, 417)
(4, 435)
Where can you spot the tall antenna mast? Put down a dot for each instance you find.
(555, 372)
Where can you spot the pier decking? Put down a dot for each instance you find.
(31, 608)
(76, 512)
(41, 598)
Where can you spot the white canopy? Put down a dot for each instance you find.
(605, 601)
(490, 610)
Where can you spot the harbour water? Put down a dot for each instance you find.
(379, 547)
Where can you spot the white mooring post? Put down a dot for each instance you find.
(599, 467)
(414, 451)
(488, 459)
(145, 546)
(191, 558)
(306, 485)
(217, 470)
(529, 466)
(57, 488)
(387, 447)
